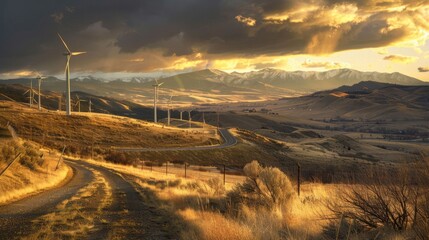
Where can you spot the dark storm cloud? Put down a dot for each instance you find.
(113, 30)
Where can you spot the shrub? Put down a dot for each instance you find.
(30, 156)
(264, 186)
(212, 187)
(398, 204)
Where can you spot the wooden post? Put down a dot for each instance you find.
(92, 148)
(166, 168)
(10, 164)
(185, 169)
(224, 173)
(59, 160)
(299, 178)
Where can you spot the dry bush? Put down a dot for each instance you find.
(211, 187)
(30, 155)
(9, 151)
(121, 157)
(388, 203)
(264, 186)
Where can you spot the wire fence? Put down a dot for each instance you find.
(185, 170)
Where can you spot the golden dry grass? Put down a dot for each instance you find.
(207, 216)
(71, 219)
(20, 181)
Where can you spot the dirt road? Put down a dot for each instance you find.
(97, 203)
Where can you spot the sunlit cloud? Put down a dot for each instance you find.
(19, 74)
(246, 20)
(137, 60)
(326, 65)
(423, 69)
(382, 51)
(400, 58)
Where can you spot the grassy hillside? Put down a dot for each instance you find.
(33, 171)
(85, 131)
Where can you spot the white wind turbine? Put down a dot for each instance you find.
(90, 105)
(31, 92)
(78, 101)
(68, 54)
(155, 99)
(169, 109)
(39, 79)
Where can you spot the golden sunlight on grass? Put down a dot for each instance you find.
(71, 219)
(20, 181)
(205, 207)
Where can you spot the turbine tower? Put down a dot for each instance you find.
(169, 108)
(155, 99)
(90, 104)
(68, 55)
(39, 79)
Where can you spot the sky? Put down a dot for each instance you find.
(126, 37)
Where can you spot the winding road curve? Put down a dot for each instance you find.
(229, 141)
(111, 204)
(132, 212)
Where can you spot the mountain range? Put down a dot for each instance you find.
(211, 85)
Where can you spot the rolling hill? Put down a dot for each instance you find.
(214, 86)
(362, 101)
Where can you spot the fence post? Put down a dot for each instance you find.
(299, 178)
(166, 168)
(185, 169)
(58, 163)
(224, 173)
(10, 164)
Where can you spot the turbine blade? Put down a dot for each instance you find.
(64, 43)
(26, 92)
(77, 53)
(159, 85)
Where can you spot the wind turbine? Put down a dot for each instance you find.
(31, 91)
(90, 104)
(78, 101)
(155, 99)
(68, 54)
(204, 120)
(39, 79)
(169, 108)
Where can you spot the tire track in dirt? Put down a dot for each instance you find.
(16, 218)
